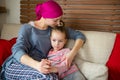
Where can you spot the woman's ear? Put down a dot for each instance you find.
(62, 23)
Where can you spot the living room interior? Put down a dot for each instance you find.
(98, 20)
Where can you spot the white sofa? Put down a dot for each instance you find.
(91, 58)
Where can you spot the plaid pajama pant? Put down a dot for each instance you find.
(17, 71)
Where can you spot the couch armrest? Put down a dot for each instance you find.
(93, 71)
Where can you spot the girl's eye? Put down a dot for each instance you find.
(54, 40)
(60, 41)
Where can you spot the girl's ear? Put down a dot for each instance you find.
(65, 42)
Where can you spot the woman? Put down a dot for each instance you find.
(28, 60)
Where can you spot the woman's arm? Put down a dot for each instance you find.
(22, 45)
(21, 49)
(43, 66)
(70, 56)
(79, 40)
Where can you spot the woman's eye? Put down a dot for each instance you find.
(55, 21)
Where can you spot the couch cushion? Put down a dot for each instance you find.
(13, 40)
(10, 31)
(114, 61)
(5, 48)
(98, 46)
(93, 71)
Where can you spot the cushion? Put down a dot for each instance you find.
(5, 49)
(114, 61)
(13, 41)
(93, 71)
(70, 43)
(98, 46)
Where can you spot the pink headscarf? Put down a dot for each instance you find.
(49, 9)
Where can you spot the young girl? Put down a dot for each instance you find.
(58, 40)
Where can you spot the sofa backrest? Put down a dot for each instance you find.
(97, 48)
(10, 31)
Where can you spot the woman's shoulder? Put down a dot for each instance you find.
(26, 25)
(25, 28)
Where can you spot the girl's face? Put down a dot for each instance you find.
(53, 22)
(58, 40)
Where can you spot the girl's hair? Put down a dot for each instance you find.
(62, 29)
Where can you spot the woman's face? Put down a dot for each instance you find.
(53, 22)
(58, 40)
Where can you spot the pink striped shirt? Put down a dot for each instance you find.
(56, 60)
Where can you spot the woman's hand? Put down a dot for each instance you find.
(53, 69)
(70, 56)
(68, 59)
(44, 66)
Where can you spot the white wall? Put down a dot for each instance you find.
(13, 11)
(2, 15)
